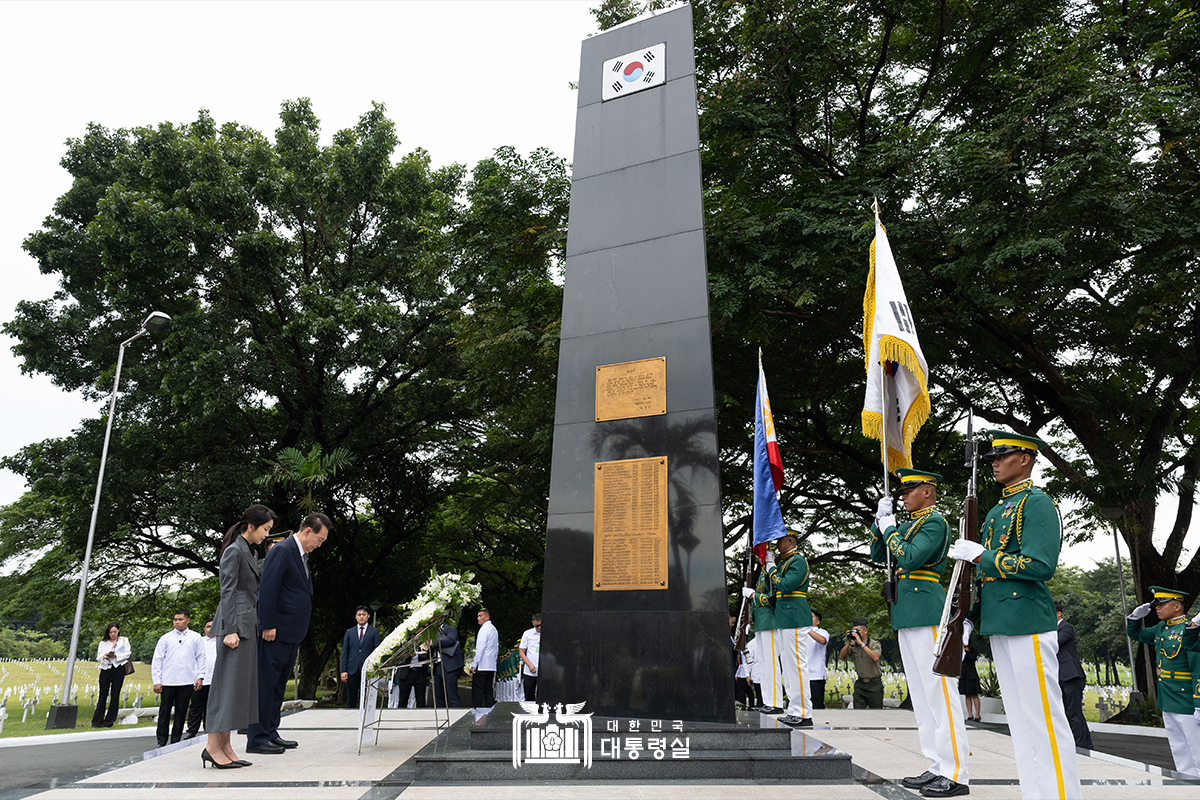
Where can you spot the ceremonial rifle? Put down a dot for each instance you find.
(743, 620)
(947, 655)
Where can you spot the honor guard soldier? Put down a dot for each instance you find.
(766, 640)
(919, 549)
(793, 620)
(1191, 643)
(1020, 540)
(1175, 675)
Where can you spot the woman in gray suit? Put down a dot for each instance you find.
(233, 698)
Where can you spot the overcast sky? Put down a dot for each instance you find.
(458, 78)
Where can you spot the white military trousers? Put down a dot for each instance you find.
(936, 704)
(793, 657)
(1044, 747)
(1183, 733)
(766, 647)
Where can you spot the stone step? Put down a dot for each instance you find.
(495, 765)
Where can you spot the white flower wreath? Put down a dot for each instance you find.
(445, 593)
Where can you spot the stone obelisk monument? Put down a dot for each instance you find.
(635, 620)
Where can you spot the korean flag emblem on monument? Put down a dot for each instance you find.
(633, 72)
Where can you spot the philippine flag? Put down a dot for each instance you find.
(768, 473)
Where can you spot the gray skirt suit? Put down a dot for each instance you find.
(233, 696)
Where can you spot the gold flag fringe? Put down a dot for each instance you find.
(892, 349)
(869, 310)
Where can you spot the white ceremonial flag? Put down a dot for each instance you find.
(633, 72)
(893, 356)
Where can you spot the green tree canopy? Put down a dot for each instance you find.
(316, 293)
(1036, 164)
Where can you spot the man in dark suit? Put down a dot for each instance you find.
(1071, 680)
(284, 612)
(413, 679)
(358, 643)
(446, 673)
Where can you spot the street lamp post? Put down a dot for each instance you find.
(63, 713)
(1114, 513)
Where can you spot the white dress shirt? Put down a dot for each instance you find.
(210, 657)
(817, 670)
(531, 643)
(487, 648)
(743, 667)
(303, 554)
(120, 647)
(178, 658)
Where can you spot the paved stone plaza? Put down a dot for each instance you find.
(882, 744)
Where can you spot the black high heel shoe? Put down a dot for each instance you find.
(206, 759)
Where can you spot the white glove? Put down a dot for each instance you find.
(770, 558)
(747, 591)
(968, 629)
(886, 522)
(965, 550)
(885, 508)
(1141, 611)
(1195, 621)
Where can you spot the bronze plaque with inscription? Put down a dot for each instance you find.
(630, 519)
(631, 389)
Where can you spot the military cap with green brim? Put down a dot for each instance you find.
(1161, 594)
(1005, 442)
(912, 478)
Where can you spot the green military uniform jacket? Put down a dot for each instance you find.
(919, 549)
(790, 580)
(1021, 537)
(1178, 691)
(1191, 643)
(764, 613)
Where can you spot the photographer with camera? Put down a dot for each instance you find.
(868, 686)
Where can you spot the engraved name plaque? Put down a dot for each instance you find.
(630, 516)
(631, 389)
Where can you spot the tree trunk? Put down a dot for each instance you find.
(309, 664)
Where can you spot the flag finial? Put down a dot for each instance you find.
(875, 206)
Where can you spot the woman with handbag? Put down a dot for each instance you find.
(113, 655)
(233, 695)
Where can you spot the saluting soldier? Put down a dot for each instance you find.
(1021, 537)
(919, 549)
(793, 620)
(766, 644)
(1175, 676)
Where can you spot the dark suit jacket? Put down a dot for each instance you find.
(285, 594)
(353, 653)
(448, 641)
(1068, 653)
(421, 672)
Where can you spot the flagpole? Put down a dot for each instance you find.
(883, 415)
